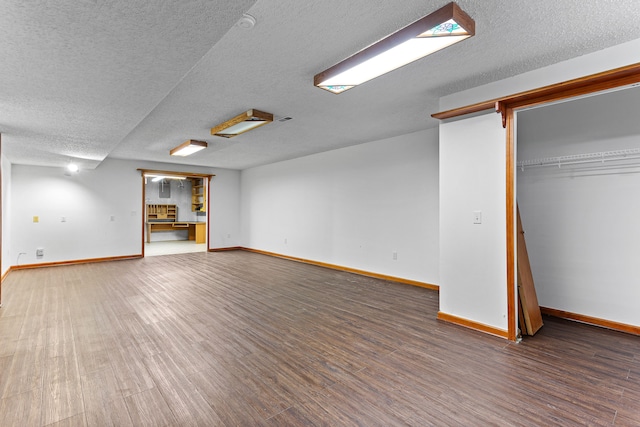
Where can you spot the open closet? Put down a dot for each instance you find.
(578, 187)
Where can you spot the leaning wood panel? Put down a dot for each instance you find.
(526, 289)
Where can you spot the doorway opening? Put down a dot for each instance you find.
(176, 212)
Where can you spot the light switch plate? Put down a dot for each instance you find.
(477, 217)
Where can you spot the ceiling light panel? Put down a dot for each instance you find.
(242, 123)
(440, 29)
(188, 147)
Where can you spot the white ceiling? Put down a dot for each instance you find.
(83, 80)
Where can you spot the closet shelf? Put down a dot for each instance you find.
(602, 157)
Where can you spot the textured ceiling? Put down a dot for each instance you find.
(87, 79)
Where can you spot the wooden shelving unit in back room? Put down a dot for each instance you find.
(163, 213)
(198, 195)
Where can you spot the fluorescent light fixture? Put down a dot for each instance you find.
(242, 123)
(444, 27)
(188, 147)
(157, 178)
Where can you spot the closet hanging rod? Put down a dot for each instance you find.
(605, 156)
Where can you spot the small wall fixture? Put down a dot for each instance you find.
(242, 123)
(434, 32)
(188, 147)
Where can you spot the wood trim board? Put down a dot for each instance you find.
(512, 327)
(585, 85)
(477, 326)
(609, 324)
(75, 261)
(347, 269)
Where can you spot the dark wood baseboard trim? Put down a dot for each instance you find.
(473, 325)
(616, 326)
(347, 269)
(72, 262)
(231, 248)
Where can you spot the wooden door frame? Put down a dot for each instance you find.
(209, 177)
(507, 106)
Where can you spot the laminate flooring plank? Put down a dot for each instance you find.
(73, 421)
(34, 329)
(62, 390)
(628, 414)
(130, 370)
(61, 400)
(418, 399)
(149, 408)
(147, 311)
(469, 375)
(223, 345)
(25, 371)
(130, 330)
(92, 346)
(256, 392)
(311, 413)
(103, 401)
(233, 403)
(353, 403)
(10, 328)
(21, 409)
(181, 350)
(296, 417)
(187, 404)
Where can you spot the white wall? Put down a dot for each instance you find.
(581, 222)
(224, 212)
(87, 201)
(6, 219)
(596, 62)
(473, 281)
(614, 57)
(352, 207)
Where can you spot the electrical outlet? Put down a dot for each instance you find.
(395, 256)
(63, 219)
(40, 252)
(477, 217)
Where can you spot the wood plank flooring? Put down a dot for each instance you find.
(242, 339)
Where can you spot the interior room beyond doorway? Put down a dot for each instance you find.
(175, 214)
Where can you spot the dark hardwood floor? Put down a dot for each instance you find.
(235, 338)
